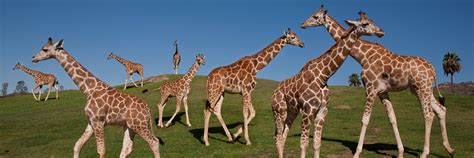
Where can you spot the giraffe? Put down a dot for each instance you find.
(180, 89)
(176, 58)
(240, 78)
(130, 68)
(40, 80)
(384, 71)
(307, 91)
(105, 105)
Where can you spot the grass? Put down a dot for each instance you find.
(50, 129)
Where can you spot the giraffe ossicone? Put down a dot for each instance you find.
(384, 71)
(104, 105)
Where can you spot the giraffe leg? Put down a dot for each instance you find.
(185, 102)
(161, 107)
(441, 114)
(149, 137)
(178, 108)
(305, 125)
(49, 91)
(393, 121)
(84, 138)
(33, 92)
(318, 130)
(249, 114)
(56, 87)
(127, 145)
(279, 115)
(425, 100)
(207, 116)
(141, 76)
(40, 90)
(99, 137)
(131, 79)
(217, 112)
(126, 81)
(369, 103)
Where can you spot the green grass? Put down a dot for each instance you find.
(50, 129)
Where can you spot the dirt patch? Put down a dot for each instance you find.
(346, 154)
(343, 107)
(154, 79)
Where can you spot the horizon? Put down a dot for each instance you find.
(144, 32)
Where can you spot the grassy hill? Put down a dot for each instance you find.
(50, 129)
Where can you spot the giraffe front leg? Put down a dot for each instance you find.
(82, 140)
(305, 124)
(99, 137)
(365, 119)
(126, 82)
(49, 91)
(131, 79)
(33, 92)
(178, 108)
(318, 129)
(161, 106)
(393, 121)
(185, 102)
(127, 146)
(40, 90)
(56, 87)
(428, 115)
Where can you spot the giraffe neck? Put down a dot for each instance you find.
(335, 56)
(334, 28)
(84, 79)
(191, 72)
(176, 50)
(119, 59)
(265, 56)
(337, 31)
(27, 70)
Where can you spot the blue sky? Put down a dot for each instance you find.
(144, 31)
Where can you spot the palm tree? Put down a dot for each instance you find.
(451, 65)
(354, 80)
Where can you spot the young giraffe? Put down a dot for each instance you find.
(105, 105)
(176, 58)
(306, 92)
(130, 68)
(40, 80)
(179, 88)
(240, 78)
(384, 71)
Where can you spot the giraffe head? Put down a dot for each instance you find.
(365, 26)
(200, 59)
(110, 56)
(317, 19)
(290, 38)
(49, 50)
(17, 66)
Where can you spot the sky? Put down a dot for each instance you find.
(222, 30)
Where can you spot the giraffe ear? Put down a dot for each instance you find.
(352, 23)
(59, 44)
(50, 41)
(325, 12)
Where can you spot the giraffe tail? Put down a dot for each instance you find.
(440, 97)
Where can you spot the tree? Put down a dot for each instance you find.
(354, 80)
(21, 87)
(4, 89)
(451, 65)
(61, 88)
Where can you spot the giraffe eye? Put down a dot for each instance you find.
(315, 17)
(292, 37)
(45, 50)
(365, 24)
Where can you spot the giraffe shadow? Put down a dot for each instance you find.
(379, 148)
(50, 98)
(177, 118)
(199, 132)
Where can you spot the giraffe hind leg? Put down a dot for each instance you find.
(131, 79)
(178, 108)
(440, 112)
(146, 134)
(49, 91)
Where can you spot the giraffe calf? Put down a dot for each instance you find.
(179, 88)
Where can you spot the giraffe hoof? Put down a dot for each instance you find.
(189, 125)
(207, 144)
(248, 143)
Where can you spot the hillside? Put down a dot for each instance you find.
(50, 129)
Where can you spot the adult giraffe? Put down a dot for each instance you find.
(105, 105)
(384, 71)
(240, 78)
